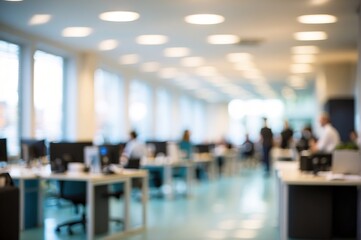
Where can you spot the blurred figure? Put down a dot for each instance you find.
(247, 152)
(286, 136)
(185, 145)
(267, 144)
(220, 151)
(306, 136)
(329, 137)
(134, 150)
(354, 139)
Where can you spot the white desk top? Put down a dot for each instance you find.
(289, 173)
(19, 172)
(164, 164)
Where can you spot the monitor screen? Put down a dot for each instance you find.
(158, 147)
(68, 151)
(61, 153)
(3, 150)
(32, 148)
(112, 152)
(203, 148)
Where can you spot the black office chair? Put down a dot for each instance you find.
(75, 192)
(118, 190)
(9, 208)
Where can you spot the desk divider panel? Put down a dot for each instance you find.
(310, 212)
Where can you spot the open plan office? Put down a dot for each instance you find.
(165, 120)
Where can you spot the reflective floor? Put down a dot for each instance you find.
(239, 207)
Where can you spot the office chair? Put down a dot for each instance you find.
(9, 208)
(118, 191)
(75, 192)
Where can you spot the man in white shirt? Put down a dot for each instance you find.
(329, 137)
(134, 149)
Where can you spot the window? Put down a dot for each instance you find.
(140, 109)
(48, 95)
(199, 122)
(163, 124)
(186, 113)
(9, 95)
(246, 117)
(109, 107)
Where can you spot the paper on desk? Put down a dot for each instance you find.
(340, 176)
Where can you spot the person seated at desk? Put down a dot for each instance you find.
(355, 141)
(286, 136)
(329, 137)
(247, 152)
(306, 136)
(134, 150)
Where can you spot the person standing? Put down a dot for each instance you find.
(286, 136)
(186, 146)
(267, 144)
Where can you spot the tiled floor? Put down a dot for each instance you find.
(239, 207)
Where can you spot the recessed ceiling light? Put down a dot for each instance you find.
(150, 67)
(192, 61)
(39, 19)
(119, 16)
(239, 57)
(151, 39)
(317, 19)
(301, 68)
(107, 45)
(253, 74)
(305, 50)
(310, 36)
(77, 32)
(223, 39)
(204, 19)
(244, 66)
(129, 59)
(168, 73)
(176, 52)
(304, 58)
(206, 71)
(319, 2)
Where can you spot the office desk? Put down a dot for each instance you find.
(294, 184)
(92, 180)
(168, 168)
(30, 194)
(210, 162)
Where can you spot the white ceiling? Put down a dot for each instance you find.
(273, 22)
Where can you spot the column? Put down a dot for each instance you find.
(85, 127)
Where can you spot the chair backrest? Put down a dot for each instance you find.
(74, 191)
(6, 180)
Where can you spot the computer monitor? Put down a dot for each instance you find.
(3, 150)
(61, 153)
(158, 147)
(112, 152)
(32, 149)
(203, 148)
